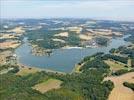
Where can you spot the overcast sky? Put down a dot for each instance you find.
(98, 9)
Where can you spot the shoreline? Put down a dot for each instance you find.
(49, 70)
(69, 47)
(39, 51)
(21, 66)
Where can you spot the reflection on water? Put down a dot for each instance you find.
(62, 59)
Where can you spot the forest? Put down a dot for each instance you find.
(44, 38)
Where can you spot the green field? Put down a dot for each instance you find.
(47, 85)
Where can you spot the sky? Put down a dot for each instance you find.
(95, 9)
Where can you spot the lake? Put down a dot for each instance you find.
(62, 60)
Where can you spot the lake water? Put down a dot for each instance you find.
(62, 60)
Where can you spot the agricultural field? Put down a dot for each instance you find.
(47, 85)
(7, 45)
(115, 65)
(27, 70)
(119, 91)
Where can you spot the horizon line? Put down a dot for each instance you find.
(68, 18)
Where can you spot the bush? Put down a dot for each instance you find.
(129, 85)
(15, 70)
(120, 72)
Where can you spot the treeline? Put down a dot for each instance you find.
(96, 63)
(88, 58)
(2, 67)
(129, 51)
(116, 58)
(121, 72)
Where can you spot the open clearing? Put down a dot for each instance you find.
(77, 68)
(7, 36)
(85, 37)
(121, 92)
(48, 85)
(18, 30)
(4, 55)
(63, 34)
(26, 70)
(114, 65)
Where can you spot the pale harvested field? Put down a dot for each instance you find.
(105, 32)
(77, 30)
(117, 33)
(12, 44)
(7, 36)
(58, 40)
(85, 37)
(63, 34)
(48, 85)
(17, 30)
(121, 92)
